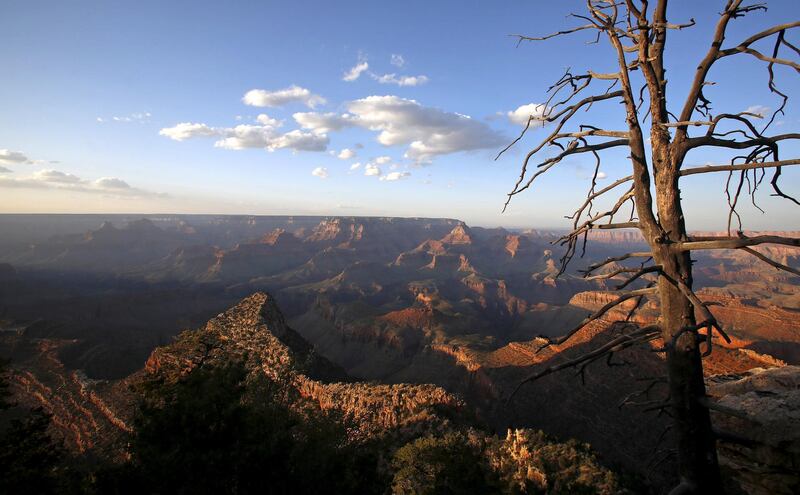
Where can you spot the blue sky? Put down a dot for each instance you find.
(93, 94)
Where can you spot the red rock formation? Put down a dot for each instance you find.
(255, 328)
(86, 414)
(280, 236)
(459, 235)
(418, 317)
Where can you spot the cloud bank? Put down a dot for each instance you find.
(245, 136)
(12, 157)
(56, 179)
(425, 132)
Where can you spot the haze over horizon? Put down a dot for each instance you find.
(333, 110)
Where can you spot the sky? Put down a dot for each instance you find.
(333, 108)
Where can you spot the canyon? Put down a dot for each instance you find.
(393, 318)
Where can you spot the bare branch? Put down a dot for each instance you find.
(778, 192)
(521, 38)
(760, 56)
(695, 93)
(744, 166)
(639, 254)
(567, 112)
(681, 26)
(645, 392)
(708, 318)
(730, 437)
(544, 166)
(685, 123)
(715, 406)
(744, 46)
(592, 131)
(597, 314)
(736, 242)
(640, 335)
(639, 273)
(707, 140)
(599, 193)
(618, 271)
(779, 266)
(605, 76)
(571, 239)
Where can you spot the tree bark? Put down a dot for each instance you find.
(698, 466)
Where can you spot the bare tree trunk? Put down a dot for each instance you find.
(697, 457)
(698, 467)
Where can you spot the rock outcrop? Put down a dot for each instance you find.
(760, 416)
(87, 415)
(255, 331)
(459, 235)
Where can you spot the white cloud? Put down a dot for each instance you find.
(56, 179)
(188, 130)
(346, 154)
(265, 119)
(8, 156)
(111, 183)
(521, 115)
(56, 176)
(758, 110)
(400, 80)
(245, 136)
(427, 131)
(140, 117)
(397, 60)
(300, 141)
(4, 170)
(320, 172)
(294, 93)
(601, 175)
(323, 123)
(393, 176)
(355, 72)
(373, 167)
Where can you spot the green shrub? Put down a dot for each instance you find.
(450, 464)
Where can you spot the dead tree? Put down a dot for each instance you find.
(637, 36)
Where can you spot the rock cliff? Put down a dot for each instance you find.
(761, 421)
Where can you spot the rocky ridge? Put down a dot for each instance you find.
(254, 330)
